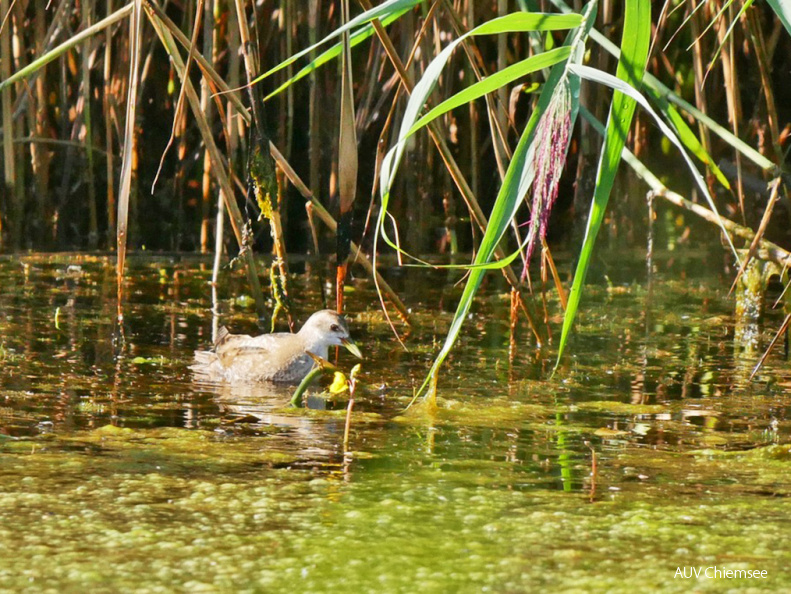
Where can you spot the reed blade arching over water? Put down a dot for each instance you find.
(65, 96)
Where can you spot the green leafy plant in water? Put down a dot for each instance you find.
(341, 383)
(322, 367)
(539, 157)
(561, 88)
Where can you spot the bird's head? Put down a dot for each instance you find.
(331, 329)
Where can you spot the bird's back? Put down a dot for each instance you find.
(240, 358)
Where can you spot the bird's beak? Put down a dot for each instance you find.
(353, 349)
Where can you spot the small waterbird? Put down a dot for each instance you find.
(279, 357)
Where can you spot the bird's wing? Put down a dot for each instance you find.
(248, 363)
(236, 346)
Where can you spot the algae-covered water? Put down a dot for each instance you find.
(649, 457)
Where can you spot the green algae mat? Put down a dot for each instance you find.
(649, 463)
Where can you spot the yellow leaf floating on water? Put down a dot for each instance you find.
(339, 383)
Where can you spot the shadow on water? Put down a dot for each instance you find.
(650, 450)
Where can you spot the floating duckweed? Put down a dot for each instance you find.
(492, 492)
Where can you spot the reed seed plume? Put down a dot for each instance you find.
(549, 157)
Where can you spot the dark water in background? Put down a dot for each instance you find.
(649, 449)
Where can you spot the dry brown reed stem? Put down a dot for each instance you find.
(206, 195)
(475, 167)
(753, 29)
(352, 383)
(250, 58)
(180, 174)
(177, 114)
(209, 49)
(732, 94)
(87, 121)
(347, 426)
(237, 222)
(701, 99)
(450, 162)
(232, 134)
(288, 9)
(127, 164)
(235, 72)
(40, 155)
(314, 233)
(108, 127)
(295, 180)
(6, 96)
(314, 150)
(555, 276)
(514, 319)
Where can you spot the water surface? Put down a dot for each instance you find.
(649, 450)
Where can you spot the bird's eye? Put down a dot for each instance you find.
(335, 327)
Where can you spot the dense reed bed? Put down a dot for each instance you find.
(406, 126)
